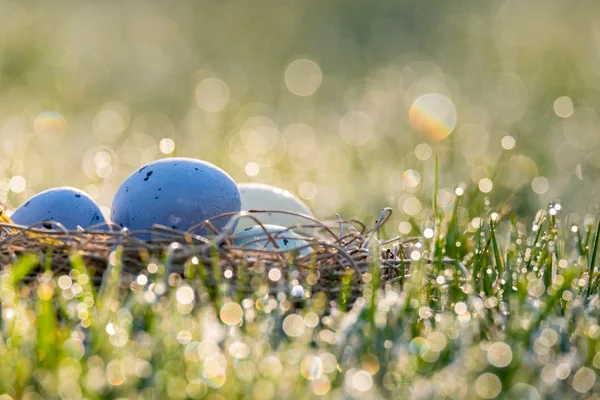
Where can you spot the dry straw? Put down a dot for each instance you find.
(344, 252)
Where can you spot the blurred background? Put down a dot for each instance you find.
(345, 103)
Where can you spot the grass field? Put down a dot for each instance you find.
(488, 308)
(465, 118)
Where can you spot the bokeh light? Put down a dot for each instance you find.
(50, 122)
(433, 115)
(584, 380)
(508, 142)
(488, 386)
(110, 122)
(231, 313)
(356, 128)
(252, 169)
(540, 184)
(311, 367)
(362, 381)
(212, 94)
(321, 386)
(485, 185)
(563, 106)
(412, 177)
(423, 151)
(303, 77)
(185, 295)
(499, 354)
(166, 146)
(293, 325)
(17, 184)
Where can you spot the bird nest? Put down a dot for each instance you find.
(343, 253)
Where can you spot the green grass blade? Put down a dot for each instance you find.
(495, 248)
(452, 236)
(592, 259)
(345, 289)
(46, 327)
(23, 267)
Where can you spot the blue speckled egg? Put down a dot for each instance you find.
(175, 192)
(255, 238)
(69, 206)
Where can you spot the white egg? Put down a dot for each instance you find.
(258, 196)
(255, 237)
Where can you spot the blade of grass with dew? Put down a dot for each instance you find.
(190, 267)
(510, 264)
(217, 275)
(455, 245)
(592, 259)
(345, 290)
(452, 234)
(46, 327)
(420, 288)
(478, 262)
(586, 241)
(541, 266)
(25, 265)
(579, 240)
(374, 287)
(533, 248)
(189, 270)
(487, 274)
(437, 223)
(496, 249)
(107, 298)
(558, 240)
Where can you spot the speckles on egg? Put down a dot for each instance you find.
(95, 219)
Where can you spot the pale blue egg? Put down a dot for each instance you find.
(255, 238)
(175, 192)
(69, 206)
